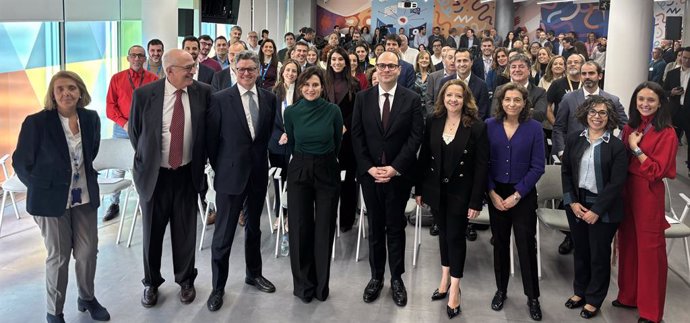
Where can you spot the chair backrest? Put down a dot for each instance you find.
(549, 185)
(668, 207)
(4, 167)
(114, 153)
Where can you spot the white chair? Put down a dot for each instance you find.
(269, 205)
(337, 219)
(678, 229)
(549, 188)
(11, 185)
(417, 234)
(483, 218)
(210, 199)
(361, 230)
(115, 153)
(282, 190)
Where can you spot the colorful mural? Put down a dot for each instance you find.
(461, 13)
(581, 18)
(389, 13)
(342, 13)
(663, 9)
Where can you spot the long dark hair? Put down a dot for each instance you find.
(662, 118)
(274, 57)
(279, 88)
(352, 87)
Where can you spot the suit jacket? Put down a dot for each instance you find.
(407, 75)
(205, 74)
(480, 92)
(234, 156)
(400, 141)
(439, 66)
(681, 116)
(222, 80)
(611, 173)
(478, 68)
(536, 95)
(566, 123)
(433, 86)
(277, 131)
(42, 160)
(465, 177)
(145, 124)
(450, 41)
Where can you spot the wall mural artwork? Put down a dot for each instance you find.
(343, 13)
(462, 13)
(389, 13)
(663, 9)
(582, 18)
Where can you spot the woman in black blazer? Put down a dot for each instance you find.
(54, 156)
(453, 165)
(595, 167)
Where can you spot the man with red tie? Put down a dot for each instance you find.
(166, 129)
(117, 104)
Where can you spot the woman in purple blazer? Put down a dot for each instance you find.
(516, 163)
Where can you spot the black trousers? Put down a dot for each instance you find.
(313, 184)
(280, 161)
(386, 218)
(522, 218)
(228, 212)
(592, 255)
(348, 199)
(174, 201)
(452, 225)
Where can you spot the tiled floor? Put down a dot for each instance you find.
(119, 274)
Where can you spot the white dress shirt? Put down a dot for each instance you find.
(168, 107)
(382, 98)
(245, 106)
(684, 77)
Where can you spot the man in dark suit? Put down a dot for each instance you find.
(433, 81)
(387, 127)
(407, 76)
(453, 38)
(483, 64)
(676, 86)
(289, 43)
(463, 64)
(166, 129)
(519, 66)
(204, 74)
(239, 124)
(566, 123)
(227, 77)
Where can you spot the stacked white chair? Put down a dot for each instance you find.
(10, 186)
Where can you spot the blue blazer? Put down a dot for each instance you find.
(43, 163)
(407, 75)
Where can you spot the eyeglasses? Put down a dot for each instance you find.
(246, 70)
(601, 113)
(383, 67)
(137, 56)
(187, 68)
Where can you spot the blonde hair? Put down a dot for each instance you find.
(50, 103)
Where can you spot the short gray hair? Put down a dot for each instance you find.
(247, 54)
(520, 57)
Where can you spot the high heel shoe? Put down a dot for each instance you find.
(438, 295)
(453, 312)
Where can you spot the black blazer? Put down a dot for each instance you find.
(400, 141)
(535, 95)
(614, 172)
(145, 124)
(234, 156)
(221, 80)
(466, 184)
(480, 92)
(680, 116)
(277, 131)
(43, 163)
(205, 74)
(478, 67)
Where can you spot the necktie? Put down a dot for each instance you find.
(385, 115)
(176, 132)
(253, 111)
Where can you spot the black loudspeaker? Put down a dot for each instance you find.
(185, 22)
(220, 11)
(673, 28)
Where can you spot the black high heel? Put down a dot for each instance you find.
(453, 312)
(438, 295)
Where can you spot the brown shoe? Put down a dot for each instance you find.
(242, 218)
(187, 294)
(211, 219)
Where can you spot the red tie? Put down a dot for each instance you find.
(176, 132)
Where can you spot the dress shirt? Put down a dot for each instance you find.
(488, 63)
(684, 77)
(420, 39)
(155, 69)
(212, 63)
(435, 60)
(168, 108)
(224, 63)
(587, 94)
(466, 80)
(470, 42)
(382, 98)
(118, 101)
(76, 154)
(245, 106)
(590, 160)
(254, 49)
(410, 55)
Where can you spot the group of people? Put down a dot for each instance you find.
(468, 131)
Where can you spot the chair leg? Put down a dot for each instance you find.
(415, 249)
(280, 230)
(687, 255)
(14, 204)
(512, 256)
(538, 253)
(269, 213)
(203, 225)
(200, 205)
(137, 210)
(2, 208)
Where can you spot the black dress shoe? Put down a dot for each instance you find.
(566, 246)
(97, 311)
(187, 293)
(372, 291)
(261, 283)
(617, 303)
(60, 318)
(438, 295)
(150, 297)
(215, 300)
(112, 212)
(534, 309)
(433, 230)
(571, 304)
(399, 292)
(471, 233)
(306, 299)
(644, 320)
(453, 312)
(498, 300)
(587, 314)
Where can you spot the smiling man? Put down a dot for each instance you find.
(519, 66)
(154, 64)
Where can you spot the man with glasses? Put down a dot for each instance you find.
(244, 114)
(406, 74)
(203, 73)
(227, 77)
(436, 54)
(154, 64)
(253, 42)
(205, 45)
(167, 131)
(117, 104)
(385, 141)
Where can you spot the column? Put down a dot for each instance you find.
(159, 20)
(686, 24)
(627, 62)
(505, 17)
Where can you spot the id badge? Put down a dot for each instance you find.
(76, 195)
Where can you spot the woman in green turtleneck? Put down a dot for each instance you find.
(315, 130)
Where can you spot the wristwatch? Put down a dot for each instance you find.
(637, 152)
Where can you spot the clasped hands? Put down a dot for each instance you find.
(471, 213)
(503, 204)
(382, 174)
(583, 213)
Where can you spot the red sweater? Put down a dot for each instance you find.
(119, 98)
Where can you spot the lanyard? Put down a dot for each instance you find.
(570, 84)
(141, 80)
(264, 70)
